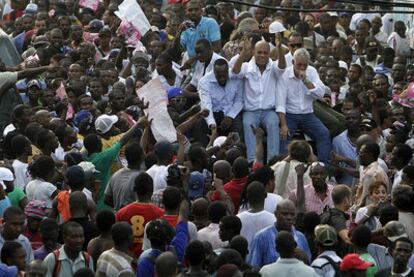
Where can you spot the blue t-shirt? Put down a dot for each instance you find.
(207, 28)
(4, 204)
(342, 146)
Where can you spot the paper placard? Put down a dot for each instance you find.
(92, 4)
(162, 126)
(130, 11)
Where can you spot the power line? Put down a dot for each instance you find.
(315, 10)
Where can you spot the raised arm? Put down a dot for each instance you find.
(282, 60)
(244, 55)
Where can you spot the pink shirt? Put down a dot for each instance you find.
(313, 203)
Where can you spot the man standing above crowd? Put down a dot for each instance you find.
(260, 78)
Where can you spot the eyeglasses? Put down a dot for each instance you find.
(296, 45)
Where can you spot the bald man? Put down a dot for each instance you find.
(222, 169)
(199, 212)
(166, 265)
(263, 247)
(43, 117)
(260, 76)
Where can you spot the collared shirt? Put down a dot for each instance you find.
(371, 174)
(286, 268)
(323, 267)
(112, 263)
(156, 198)
(263, 247)
(207, 28)
(163, 80)
(67, 266)
(313, 203)
(259, 88)
(211, 234)
(397, 178)
(201, 69)
(216, 98)
(292, 94)
(383, 258)
(26, 245)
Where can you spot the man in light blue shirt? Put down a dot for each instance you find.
(297, 88)
(13, 221)
(203, 27)
(263, 248)
(344, 144)
(222, 96)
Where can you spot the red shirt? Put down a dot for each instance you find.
(172, 219)
(34, 238)
(234, 189)
(138, 215)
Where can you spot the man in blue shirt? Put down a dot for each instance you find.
(344, 144)
(202, 27)
(263, 248)
(222, 96)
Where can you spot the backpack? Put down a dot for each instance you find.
(57, 267)
(335, 265)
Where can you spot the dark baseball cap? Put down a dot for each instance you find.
(75, 174)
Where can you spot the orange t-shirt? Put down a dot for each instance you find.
(63, 205)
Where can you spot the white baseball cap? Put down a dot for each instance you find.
(105, 122)
(276, 27)
(5, 175)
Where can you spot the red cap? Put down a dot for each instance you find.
(353, 261)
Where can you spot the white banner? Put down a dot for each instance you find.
(162, 126)
(130, 11)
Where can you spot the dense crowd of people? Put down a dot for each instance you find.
(290, 154)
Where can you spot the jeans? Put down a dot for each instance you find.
(270, 120)
(314, 128)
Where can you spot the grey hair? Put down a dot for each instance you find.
(302, 53)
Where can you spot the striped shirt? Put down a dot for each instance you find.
(112, 263)
(313, 203)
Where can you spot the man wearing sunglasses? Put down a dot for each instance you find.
(295, 42)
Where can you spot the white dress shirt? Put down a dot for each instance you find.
(200, 69)
(259, 88)
(215, 98)
(163, 80)
(292, 96)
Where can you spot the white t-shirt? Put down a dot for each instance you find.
(159, 175)
(373, 223)
(254, 222)
(270, 204)
(21, 174)
(40, 190)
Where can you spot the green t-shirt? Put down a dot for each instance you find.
(372, 270)
(16, 196)
(103, 163)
